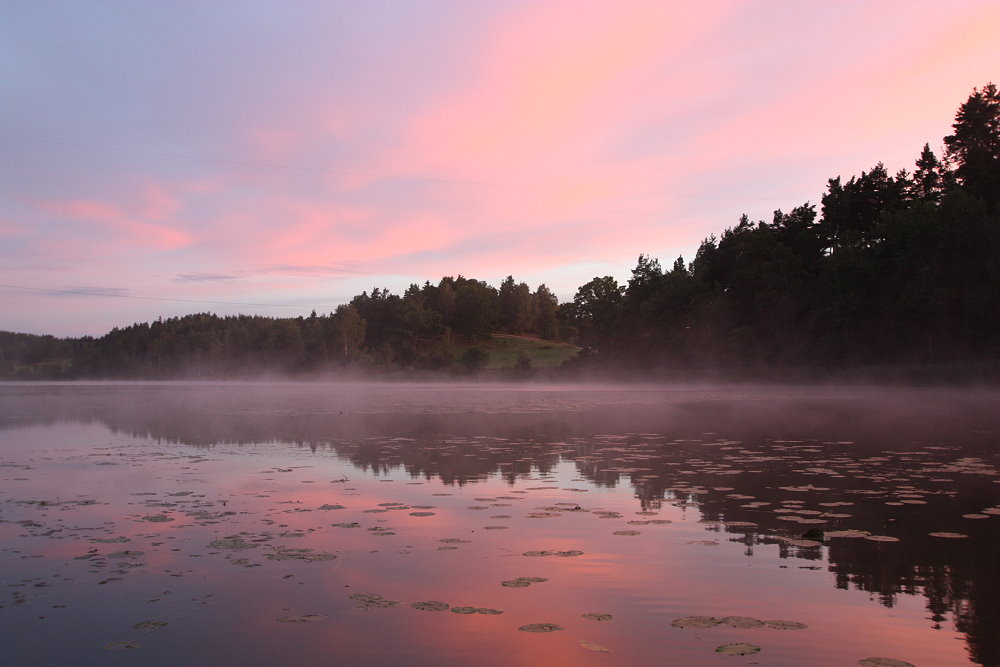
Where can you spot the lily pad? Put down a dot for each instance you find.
(786, 625)
(371, 600)
(884, 662)
(430, 605)
(596, 616)
(540, 627)
(847, 533)
(232, 543)
(522, 582)
(591, 646)
(738, 649)
(742, 622)
(695, 622)
(118, 646)
(307, 555)
(149, 625)
(306, 618)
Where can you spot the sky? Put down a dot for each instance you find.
(159, 158)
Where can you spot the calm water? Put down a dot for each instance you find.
(300, 524)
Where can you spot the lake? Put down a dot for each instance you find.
(498, 524)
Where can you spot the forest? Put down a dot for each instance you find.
(891, 274)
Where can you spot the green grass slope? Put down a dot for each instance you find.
(505, 350)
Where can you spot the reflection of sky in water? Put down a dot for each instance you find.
(104, 463)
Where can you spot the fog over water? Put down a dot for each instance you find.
(870, 512)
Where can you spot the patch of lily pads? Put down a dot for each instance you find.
(597, 616)
(372, 601)
(740, 648)
(487, 611)
(541, 627)
(307, 555)
(522, 582)
(743, 622)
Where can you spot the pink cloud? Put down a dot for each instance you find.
(115, 219)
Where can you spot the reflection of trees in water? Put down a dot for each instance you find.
(957, 577)
(718, 458)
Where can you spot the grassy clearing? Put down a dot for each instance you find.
(504, 352)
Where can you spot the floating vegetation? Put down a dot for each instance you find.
(591, 646)
(422, 513)
(306, 618)
(627, 532)
(477, 610)
(541, 627)
(157, 518)
(332, 507)
(350, 524)
(954, 536)
(522, 582)
(307, 555)
(847, 533)
(597, 616)
(430, 605)
(149, 625)
(881, 538)
(454, 540)
(737, 649)
(117, 646)
(371, 600)
(232, 543)
(562, 554)
(696, 622)
(742, 622)
(884, 662)
(786, 625)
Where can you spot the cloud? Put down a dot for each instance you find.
(87, 290)
(322, 270)
(121, 223)
(202, 277)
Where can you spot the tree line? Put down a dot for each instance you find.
(894, 269)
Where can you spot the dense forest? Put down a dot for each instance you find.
(894, 271)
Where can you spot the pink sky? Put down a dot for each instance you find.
(163, 158)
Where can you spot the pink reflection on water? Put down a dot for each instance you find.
(645, 581)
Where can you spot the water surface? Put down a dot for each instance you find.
(301, 523)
